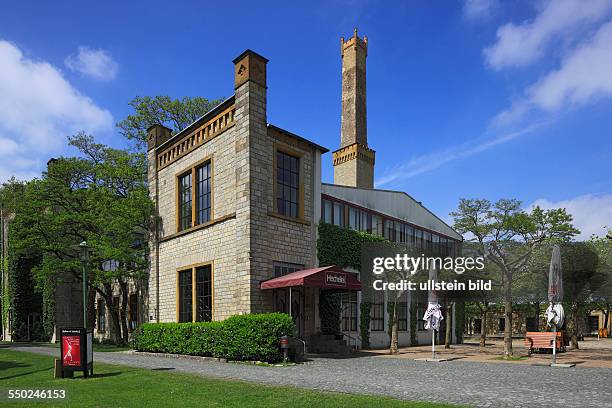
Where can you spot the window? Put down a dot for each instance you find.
(338, 214)
(282, 268)
(203, 276)
(101, 316)
(287, 184)
(418, 234)
(427, 241)
(203, 194)
(184, 201)
(409, 235)
(377, 225)
(501, 326)
(195, 294)
(133, 311)
(348, 305)
(194, 196)
(326, 209)
(420, 313)
(390, 230)
(402, 316)
(354, 218)
(377, 311)
(185, 305)
(435, 240)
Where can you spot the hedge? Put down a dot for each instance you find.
(251, 337)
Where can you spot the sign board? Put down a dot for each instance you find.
(76, 350)
(335, 279)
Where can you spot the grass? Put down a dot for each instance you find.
(120, 386)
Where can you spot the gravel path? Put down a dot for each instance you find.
(471, 383)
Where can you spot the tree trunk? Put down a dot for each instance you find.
(125, 335)
(606, 314)
(537, 315)
(115, 320)
(574, 327)
(393, 349)
(448, 328)
(508, 352)
(483, 327)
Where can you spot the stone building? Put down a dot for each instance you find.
(240, 199)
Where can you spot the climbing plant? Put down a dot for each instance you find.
(342, 247)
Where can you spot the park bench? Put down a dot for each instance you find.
(544, 340)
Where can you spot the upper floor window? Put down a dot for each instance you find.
(203, 194)
(194, 206)
(185, 200)
(287, 184)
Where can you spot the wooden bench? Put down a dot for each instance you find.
(544, 340)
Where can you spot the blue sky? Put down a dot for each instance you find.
(474, 98)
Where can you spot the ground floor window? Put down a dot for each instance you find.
(284, 268)
(204, 295)
(101, 309)
(195, 294)
(421, 308)
(502, 324)
(402, 316)
(377, 311)
(185, 293)
(348, 304)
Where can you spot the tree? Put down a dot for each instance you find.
(506, 235)
(176, 114)
(602, 297)
(101, 198)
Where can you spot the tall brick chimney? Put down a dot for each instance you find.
(354, 161)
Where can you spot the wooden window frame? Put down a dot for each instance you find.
(194, 183)
(300, 193)
(193, 268)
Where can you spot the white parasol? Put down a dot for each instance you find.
(554, 312)
(433, 314)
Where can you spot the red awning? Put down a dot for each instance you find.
(327, 277)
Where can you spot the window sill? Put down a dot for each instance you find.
(286, 218)
(198, 227)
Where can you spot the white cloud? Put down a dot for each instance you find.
(38, 109)
(479, 9)
(591, 212)
(431, 161)
(96, 64)
(583, 76)
(523, 44)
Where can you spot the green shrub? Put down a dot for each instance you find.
(239, 338)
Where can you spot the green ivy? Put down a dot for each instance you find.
(329, 311)
(342, 247)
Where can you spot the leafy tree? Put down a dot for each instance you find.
(176, 114)
(101, 198)
(602, 297)
(507, 235)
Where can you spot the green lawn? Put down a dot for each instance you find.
(120, 386)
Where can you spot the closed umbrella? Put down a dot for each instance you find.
(554, 312)
(433, 314)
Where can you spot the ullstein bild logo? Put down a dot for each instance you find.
(335, 279)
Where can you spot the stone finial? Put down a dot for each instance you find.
(156, 135)
(249, 66)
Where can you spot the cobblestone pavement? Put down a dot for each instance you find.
(469, 383)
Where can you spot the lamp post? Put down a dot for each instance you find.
(84, 259)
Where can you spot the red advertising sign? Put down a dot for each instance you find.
(71, 349)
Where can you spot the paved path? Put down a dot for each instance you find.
(471, 383)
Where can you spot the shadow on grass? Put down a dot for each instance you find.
(163, 369)
(26, 373)
(5, 365)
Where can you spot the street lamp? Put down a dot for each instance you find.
(84, 259)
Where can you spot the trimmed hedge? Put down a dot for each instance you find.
(251, 337)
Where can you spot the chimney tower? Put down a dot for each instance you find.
(354, 161)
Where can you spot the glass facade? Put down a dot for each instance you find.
(360, 219)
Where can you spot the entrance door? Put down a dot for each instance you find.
(281, 305)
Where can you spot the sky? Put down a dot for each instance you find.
(466, 99)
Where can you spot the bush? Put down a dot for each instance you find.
(240, 338)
